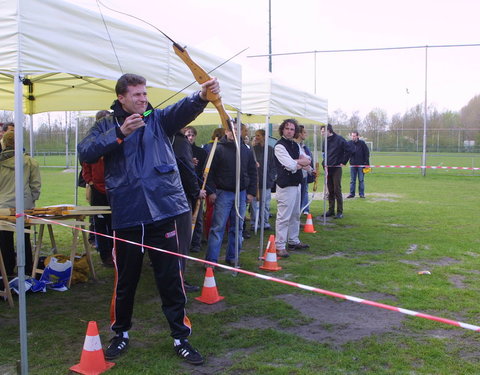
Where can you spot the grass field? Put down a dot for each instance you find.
(407, 223)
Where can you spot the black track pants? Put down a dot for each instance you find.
(166, 268)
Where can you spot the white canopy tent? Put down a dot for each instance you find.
(68, 59)
(266, 98)
(266, 95)
(57, 56)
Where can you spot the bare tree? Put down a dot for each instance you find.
(338, 117)
(354, 122)
(6, 116)
(470, 114)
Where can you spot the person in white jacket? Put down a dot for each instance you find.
(290, 160)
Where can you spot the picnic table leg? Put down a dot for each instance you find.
(38, 246)
(73, 252)
(7, 292)
(52, 239)
(87, 251)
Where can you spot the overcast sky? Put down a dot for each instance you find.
(353, 81)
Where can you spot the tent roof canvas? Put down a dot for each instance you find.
(70, 59)
(266, 95)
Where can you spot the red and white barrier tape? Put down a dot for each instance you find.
(415, 166)
(285, 282)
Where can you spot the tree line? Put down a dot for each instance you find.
(448, 131)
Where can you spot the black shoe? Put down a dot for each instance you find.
(195, 250)
(339, 216)
(298, 246)
(189, 354)
(108, 263)
(351, 196)
(190, 288)
(362, 196)
(231, 263)
(247, 235)
(118, 346)
(329, 213)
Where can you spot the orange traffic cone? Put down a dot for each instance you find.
(209, 290)
(270, 257)
(309, 225)
(92, 361)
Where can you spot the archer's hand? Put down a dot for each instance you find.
(211, 86)
(131, 124)
(202, 194)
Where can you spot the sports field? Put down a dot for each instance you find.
(406, 224)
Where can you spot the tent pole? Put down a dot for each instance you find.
(325, 178)
(264, 183)
(76, 161)
(424, 144)
(20, 222)
(66, 142)
(32, 150)
(238, 230)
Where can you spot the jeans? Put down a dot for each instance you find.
(224, 210)
(354, 172)
(266, 213)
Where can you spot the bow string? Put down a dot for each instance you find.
(201, 76)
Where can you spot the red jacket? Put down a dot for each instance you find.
(95, 173)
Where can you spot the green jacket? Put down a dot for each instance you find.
(31, 176)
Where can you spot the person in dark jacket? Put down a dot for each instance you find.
(258, 150)
(222, 180)
(336, 156)
(207, 221)
(290, 160)
(360, 156)
(183, 153)
(308, 177)
(199, 161)
(146, 197)
(94, 177)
